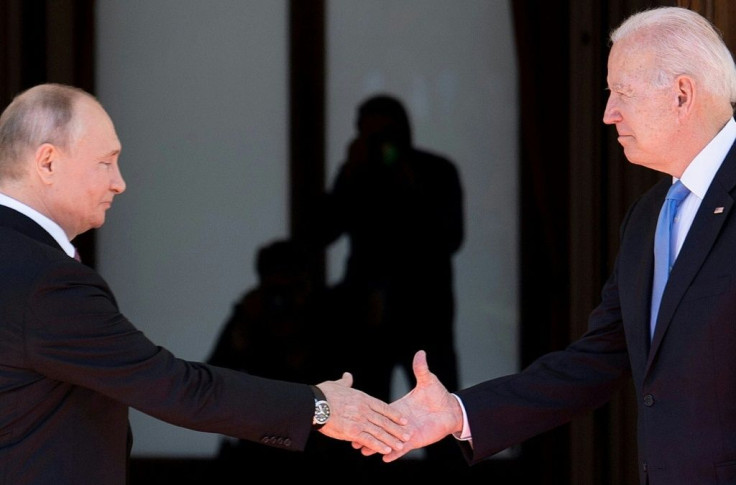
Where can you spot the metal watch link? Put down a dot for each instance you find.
(321, 408)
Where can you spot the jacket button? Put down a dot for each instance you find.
(644, 467)
(649, 400)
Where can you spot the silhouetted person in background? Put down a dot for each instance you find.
(270, 333)
(402, 210)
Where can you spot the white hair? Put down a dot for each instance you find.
(685, 43)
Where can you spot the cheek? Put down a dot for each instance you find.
(649, 124)
(85, 194)
(96, 182)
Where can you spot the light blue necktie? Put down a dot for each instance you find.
(664, 250)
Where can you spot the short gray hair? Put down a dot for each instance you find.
(685, 43)
(41, 114)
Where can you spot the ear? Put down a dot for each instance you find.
(685, 93)
(45, 162)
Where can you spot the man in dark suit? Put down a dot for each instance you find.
(672, 86)
(71, 364)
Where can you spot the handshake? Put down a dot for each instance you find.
(423, 416)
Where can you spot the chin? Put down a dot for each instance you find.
(631, 157)
(96, 224)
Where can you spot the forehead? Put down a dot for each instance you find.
(630, 63)
(96, 130)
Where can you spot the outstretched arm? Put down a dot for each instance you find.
(432, 412)
(367, 422)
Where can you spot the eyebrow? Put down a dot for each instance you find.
(623, 88)
(111, 153)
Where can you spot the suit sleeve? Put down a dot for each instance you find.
(555, 388)
(76, 334)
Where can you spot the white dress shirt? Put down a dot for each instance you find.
(697, 178)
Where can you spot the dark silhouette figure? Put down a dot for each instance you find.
(401, 208)
(268, 331)
(270, 334)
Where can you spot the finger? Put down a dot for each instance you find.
(386, 431)
(386, 415)
(363, 450)
(367, 452)
(390, 428)
(394, 455)
(388, 457)
(369, 444)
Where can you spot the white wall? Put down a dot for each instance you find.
(198, 92)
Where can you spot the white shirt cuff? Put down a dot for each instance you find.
(465, 434)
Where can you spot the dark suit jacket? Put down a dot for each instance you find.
(71, 365)
(685, 380)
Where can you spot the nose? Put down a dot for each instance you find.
(117, 184)
(611, 114)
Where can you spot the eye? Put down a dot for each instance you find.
(620, 90)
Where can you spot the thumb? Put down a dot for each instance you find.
(346, 379)
(420, 366)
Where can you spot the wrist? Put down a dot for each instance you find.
(460, 417)
(321, 408)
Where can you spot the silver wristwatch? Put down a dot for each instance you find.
(321, 408)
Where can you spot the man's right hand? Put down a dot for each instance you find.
(432, 412)
(367, 422)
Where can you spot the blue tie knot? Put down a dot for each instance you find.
(677, 192)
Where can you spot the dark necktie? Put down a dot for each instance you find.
(664, 250)
(76, 255)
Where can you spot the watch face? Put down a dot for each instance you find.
(321, 412)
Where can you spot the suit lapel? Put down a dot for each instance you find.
(25, 225)
(635, 271)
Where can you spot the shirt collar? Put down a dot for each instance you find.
(699, 174)
(50, 226)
